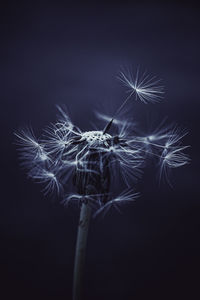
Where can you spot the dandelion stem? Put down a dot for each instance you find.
(81, 243)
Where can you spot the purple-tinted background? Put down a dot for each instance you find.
(55, 53)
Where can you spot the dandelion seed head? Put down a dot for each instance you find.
(96, 137)
(65, 158)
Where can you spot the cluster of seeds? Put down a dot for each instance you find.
(90, 159)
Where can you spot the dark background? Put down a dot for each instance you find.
(55, 53)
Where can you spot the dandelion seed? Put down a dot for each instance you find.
(147, 88)
(125, 196)
(31, 151)
(175, 158)
(175, 137)
(171, 159)
(41, 175)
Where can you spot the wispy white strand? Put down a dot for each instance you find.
(147, 88)
(124, 197)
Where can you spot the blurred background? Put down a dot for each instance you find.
(54, 53)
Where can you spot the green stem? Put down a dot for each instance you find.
(81, 243)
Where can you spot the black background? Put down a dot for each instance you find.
(70, 53)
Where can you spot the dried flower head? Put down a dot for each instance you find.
(91, 160)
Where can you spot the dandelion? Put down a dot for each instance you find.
(80, 166)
